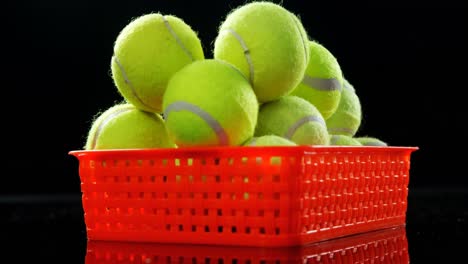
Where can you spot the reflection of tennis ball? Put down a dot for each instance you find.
(209, 103)
(371, 141)
(323, 80)
(347, 117)
(269, 140)
(147, 52)
(342, 140)
(293, 118)
(269, 46)
(123, 127)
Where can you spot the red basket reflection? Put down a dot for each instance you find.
(243, 196)
(382, 246)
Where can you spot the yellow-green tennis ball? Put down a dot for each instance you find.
(147, 52)
(371, 141)
(322, 82)
(210, 103)
(123, 127)
(269, 140)
(269, 46)
(304, 38)
(293, 118)
(347, 117)
(342, 140)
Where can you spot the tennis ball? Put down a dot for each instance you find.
(342, 140)
(210, 103)
(322, 81)
(269, 46)
(123, 126)
(347, 117)
(147, 52)
(269, 140)
(371, 141)
(293, 118)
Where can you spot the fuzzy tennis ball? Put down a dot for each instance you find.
(293, 118)
(123, 126)
(268, 44)
(347, 117)
(371, 141)
(269, 140)
(147, 52)
(322, 81)
(210, 103)
(342, 140)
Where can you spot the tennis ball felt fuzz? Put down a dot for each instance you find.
(293, 118)
(342, 140)
(147, 52)
(210, 103)
(268, 44)
(371, 141)
(347, 117)
(322, 81)
(123, 126)
(269, 140)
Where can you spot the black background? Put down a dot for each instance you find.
(407, 61)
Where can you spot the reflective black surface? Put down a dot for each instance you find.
(47, 229)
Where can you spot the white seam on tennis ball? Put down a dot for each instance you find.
(348, 87)
(334, 139)
(321, 84)
(374, 144)
(292, 129)
(127, 81)
(304, 44)
(253, 142)
(106, 120)
(177, 106)
(234, 68)
(246, 53)
(337, 130)
(177, 39)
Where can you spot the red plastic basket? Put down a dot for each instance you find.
(243, 196)
(382, 246)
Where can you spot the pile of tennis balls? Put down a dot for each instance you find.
(268, 84)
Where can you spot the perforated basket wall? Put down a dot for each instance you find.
(246, 196)
(382, 246)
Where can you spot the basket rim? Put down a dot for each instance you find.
(247, 150)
